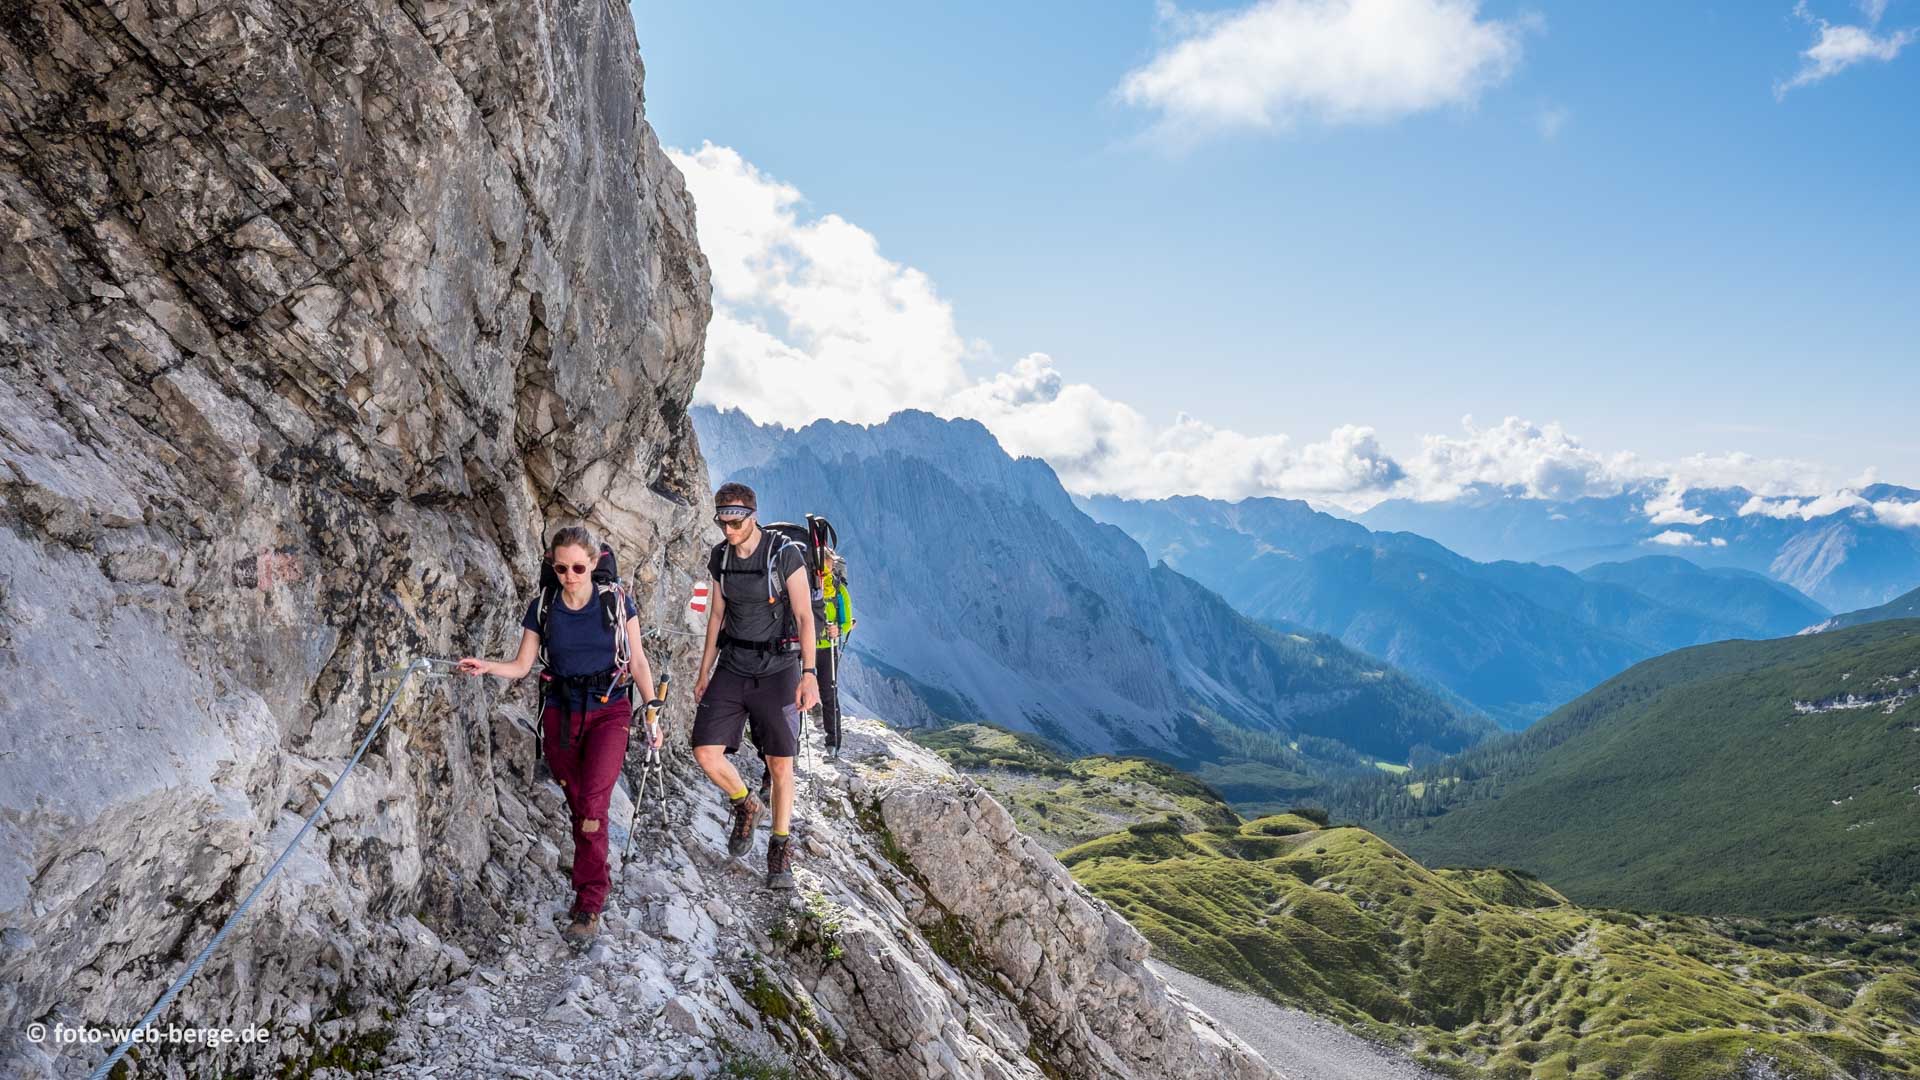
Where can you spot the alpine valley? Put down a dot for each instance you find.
(1515, 639)
(1700, 864)
(984, 594)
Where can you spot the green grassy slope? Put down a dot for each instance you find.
(1691, 782)
(1492, 973)
(1061, 802)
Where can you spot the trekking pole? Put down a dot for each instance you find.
(649, 765)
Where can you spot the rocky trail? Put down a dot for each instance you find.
(894, 957)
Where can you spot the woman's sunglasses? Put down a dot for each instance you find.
(561, 568)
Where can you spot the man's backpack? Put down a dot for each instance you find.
(809, 538)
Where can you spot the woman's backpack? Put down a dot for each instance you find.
(614, 597)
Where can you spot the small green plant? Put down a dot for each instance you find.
(1312, 813)
(817, 924)
(746, 1065)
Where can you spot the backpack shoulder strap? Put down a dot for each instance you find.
(543, 616)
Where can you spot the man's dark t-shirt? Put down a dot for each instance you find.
(580, 642)
(749, 617)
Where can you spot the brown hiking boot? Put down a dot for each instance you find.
(746, 814)
(586, 924)
(780, 863)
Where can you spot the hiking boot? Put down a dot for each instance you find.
(585, 926)
(833, 751)
(746, 814)
(780, 863)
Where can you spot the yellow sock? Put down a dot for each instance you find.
(738, 795)
(781, 833)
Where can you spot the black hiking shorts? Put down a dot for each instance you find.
(734, 702)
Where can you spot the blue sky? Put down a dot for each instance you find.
(1619, 227)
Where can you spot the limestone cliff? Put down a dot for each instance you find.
(314, 317)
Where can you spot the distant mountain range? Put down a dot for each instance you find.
(1844, 559)
(984, 594)
(1752, 777)
(1514, 639)
(1902, 607)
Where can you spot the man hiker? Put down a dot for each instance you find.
(835, 615)
(585, 629)
(757, 670)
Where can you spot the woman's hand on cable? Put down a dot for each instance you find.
(473, 665)
(807, 694)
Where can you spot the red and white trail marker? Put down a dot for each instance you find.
(697, 607)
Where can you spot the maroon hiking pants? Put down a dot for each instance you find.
(586, 761)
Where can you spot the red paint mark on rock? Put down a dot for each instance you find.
(277, 568)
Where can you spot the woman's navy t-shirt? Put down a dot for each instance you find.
(580, 643)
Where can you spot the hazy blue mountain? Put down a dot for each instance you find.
(1515, 639)
(1902, 607)
(1743, 598)
(1844, 560)
(984, 594)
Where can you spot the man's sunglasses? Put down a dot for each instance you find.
(727, 520)
(578, 568)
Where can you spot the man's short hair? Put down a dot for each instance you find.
(735, 493)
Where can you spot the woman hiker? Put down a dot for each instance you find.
(585, 716)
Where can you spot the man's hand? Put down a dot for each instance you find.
(700, 688)
(807, 694)
(471, 665)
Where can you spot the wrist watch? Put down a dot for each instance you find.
(810, 671)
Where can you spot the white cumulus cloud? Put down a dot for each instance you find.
(812, 320)
(1676, 538)
(1666, 508)
(1542, 460)
(1837, 48)
(1804, 509)
(1901, 514)
(1334, 61)
(809, 318)
(1098, 444)
(1764, 476)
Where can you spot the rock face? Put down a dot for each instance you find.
(315, 318)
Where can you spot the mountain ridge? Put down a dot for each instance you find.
(981, 585)
(1844, 559)
(1515, 639)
